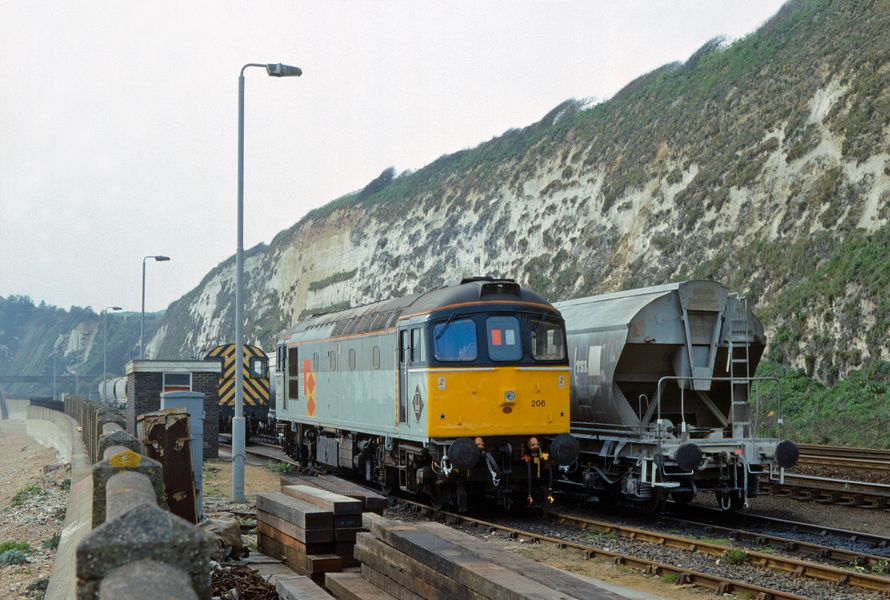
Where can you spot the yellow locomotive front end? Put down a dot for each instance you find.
(491, 381)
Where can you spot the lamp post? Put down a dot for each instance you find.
(273, 70)
(105, 345)
(157, 258)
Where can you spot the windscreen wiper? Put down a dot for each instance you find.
(447, 323)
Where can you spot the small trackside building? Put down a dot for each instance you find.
(147, 379)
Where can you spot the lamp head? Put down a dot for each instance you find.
(161, 258)
(281, 70)
(115, 308)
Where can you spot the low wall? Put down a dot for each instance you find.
(59, 431)
(17, 409)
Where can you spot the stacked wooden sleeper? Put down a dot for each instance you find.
(414, 561)
(311, 529)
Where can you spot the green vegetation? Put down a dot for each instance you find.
(30, 333)
(65, 484)
(670, 578)
(852, 412)
(715, 540)
(13, 557)
(882, 568)
(282, 468)
(52, 543)
(335, 278)
(736, 556)
(23, 547)
(24, 494)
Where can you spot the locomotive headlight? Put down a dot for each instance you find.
(509, 396)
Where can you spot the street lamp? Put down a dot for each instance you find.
(273, 70)
(105, 345)
(158, 258)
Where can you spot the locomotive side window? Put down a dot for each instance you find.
(503, 338)
(455, 341)
(293, 376)
(332, 360)
(351, 359)
(418, 354)
(315, 361)
(375, 357)
(548, 340)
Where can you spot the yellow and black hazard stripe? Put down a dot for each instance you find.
(256, 389)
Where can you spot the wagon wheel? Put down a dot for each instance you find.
(682, 498)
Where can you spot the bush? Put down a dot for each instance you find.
(13, 557)
(52, 543)
(23, 494)
(20, 546)
(736, 556)
(277, 467)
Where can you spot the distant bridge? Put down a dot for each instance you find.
(60, 379)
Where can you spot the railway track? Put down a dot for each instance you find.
(785, 544)
(826, 490)
(877, 544)
(871, 460)
(682, 576)
(831, 574)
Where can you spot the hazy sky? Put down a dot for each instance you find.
(118, 119)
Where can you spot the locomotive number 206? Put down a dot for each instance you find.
(537, 403)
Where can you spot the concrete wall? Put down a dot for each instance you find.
(57, 430)
(17, 409)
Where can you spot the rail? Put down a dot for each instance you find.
(133, 537)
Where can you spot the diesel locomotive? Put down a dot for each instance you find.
(460, 391)
(662, 405)
(256, 396)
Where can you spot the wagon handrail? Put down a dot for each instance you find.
(657, 404)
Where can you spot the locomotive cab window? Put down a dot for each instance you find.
(503, 337)
(258, 367)
(548, 340)
(455, 341)
(375, 357)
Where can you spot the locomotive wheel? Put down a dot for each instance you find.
(390, 477)
(437, 498)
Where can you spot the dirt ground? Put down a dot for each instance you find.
(33, 497)
(569, 560)
(258, 479)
